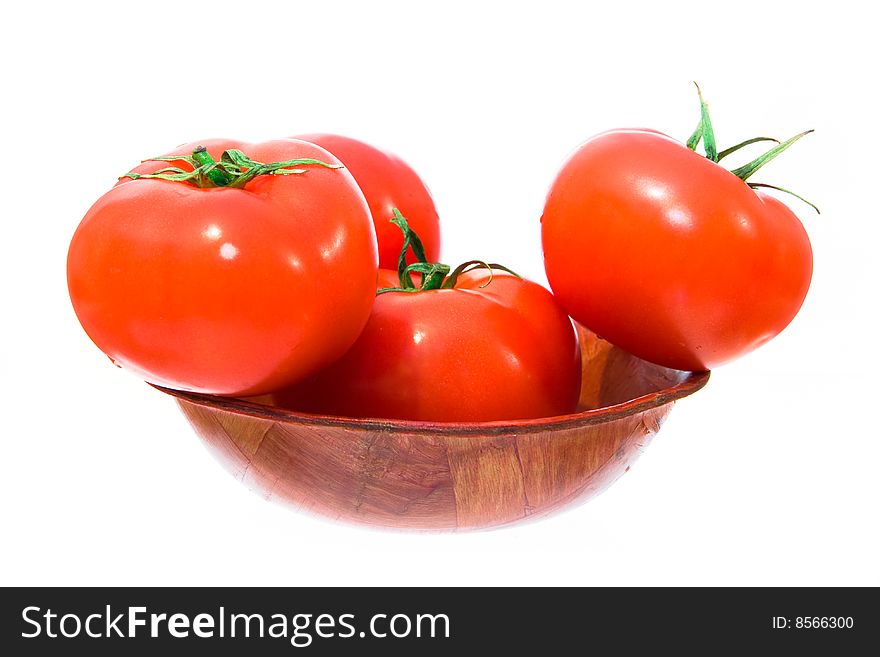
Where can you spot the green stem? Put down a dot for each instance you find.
(706, 131)
(743, 144)
(216, 175)
(435, 275)
(470, 265)
(755, 185)
(694, 140)
(747, 170)
(235, 169)
(410, 241)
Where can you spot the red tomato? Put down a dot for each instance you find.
(387, 183)
(226, 290)
(669, 255)
(481, 351)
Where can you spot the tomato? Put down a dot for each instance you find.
(668, 255)
(221, 289)
(480, 346)
(387, 183)
(500, 352)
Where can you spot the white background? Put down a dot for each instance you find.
(768, 476)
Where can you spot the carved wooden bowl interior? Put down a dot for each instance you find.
(446, 476)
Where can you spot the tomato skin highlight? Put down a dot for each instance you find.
(387, 183)
(669, 255)
(221, 290)
(504, 351)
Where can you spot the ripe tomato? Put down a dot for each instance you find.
(667, 254)
(387, 183)
(483, 350)
(226, 290)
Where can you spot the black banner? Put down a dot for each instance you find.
(342, 621)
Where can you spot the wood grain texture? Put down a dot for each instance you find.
(446, 476)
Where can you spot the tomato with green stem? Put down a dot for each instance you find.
(669, 255)
(388, 183)
(225, 267)
(477, 343)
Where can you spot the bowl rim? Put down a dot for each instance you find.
(691, 382)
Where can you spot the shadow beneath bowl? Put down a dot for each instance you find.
(446, 476)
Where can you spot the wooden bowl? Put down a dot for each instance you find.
(446, 476)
